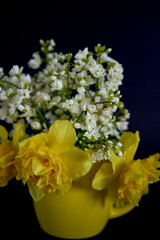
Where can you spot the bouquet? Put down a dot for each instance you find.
(64, 119)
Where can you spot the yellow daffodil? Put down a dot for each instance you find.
(49, 162)
(125, 178)
(8, 152)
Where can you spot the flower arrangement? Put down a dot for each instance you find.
(67, 118)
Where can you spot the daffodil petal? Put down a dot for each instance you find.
(18, 134)
(5, 149)
(64, 188)
(36, 193)
(151, 165)
(3, 135)
(130, 143)
(37, 166)
(7, 159)
(132, 183)
(77, 161)
(103, 177)
(118, 163)
(33, 142)
(135, 171)
(61, 136)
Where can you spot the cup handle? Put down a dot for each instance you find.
(117, 212)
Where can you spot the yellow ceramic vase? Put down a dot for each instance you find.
(81, 213)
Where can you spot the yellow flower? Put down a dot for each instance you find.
(8, 152)
(49, 162)
(132, 183)
(150, 166)
(125, 178)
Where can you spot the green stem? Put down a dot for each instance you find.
(102, 102)
(68, 68)
(67, 80)
(79, 116)
(96, 85)
(40, 115)
(12, 84)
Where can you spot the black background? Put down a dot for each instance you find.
(132, 30)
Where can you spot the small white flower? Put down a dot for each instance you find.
(41, 97)
(103, 92)
(12, 108)
(122, 125)
(116, 72)
(72, 106)
(3, 95)
(77, 125)
(115, 100)
(96, 69)
(21, 108)
(56, 100)
(119, 144)
(100, 106)
(81, 55)
(15, 70)
(104, 129)
(35, 62)
(67, 104)
(103, 119)
(97, 156)
(1, 72)
(81, 90)
(50, 116)
(22, 95)
(92, 108)
(50, 48)
(28, 111)
(120, 154)
(110, 143)
(83, 83)
(4, 111)
(63, 73)
(127, 114)
(108, 111)
(36, 125)
(97, 99)
(25, 80)
(49, 56)
(91, 121)
(52, 42)
(57, 85)
(106, 58)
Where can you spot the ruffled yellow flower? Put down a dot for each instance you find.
(8, 152)
(125, 178)
(49, 162)
(132, 183)
(134, 179)
(150, 166)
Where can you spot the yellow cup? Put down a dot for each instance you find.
(81, 213)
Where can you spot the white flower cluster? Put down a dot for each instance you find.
(15, 95)
(85, 91)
